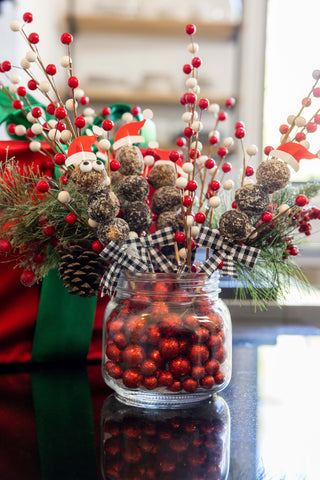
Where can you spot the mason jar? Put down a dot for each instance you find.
(167, 339)
(188, 444)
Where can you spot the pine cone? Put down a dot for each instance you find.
(81, 268)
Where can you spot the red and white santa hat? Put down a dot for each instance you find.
(128, 134)
(80, 149)
(292, 153)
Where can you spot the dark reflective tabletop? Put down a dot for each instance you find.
(64, 422)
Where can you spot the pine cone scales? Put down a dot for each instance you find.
(81, 268)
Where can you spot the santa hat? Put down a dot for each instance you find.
(128, 134)
(80, 149)
(292, 153)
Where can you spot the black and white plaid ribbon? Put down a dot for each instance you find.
(225, 251)
(139, 254)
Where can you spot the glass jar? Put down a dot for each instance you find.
(188, 444)
(167, 339)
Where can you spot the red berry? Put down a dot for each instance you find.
(27, 17)
(213, 140)
(190, 29)
(133, 355)
(71, 218)
(249, 171)
(200, 217)
(42, 220)
(190, 98)
(230, 102)
(266, 217)
(107, 125)
(301, 200)
(132, 378)
(51, 69)
(32, 85)
(226, 167)
(187, 201)
(28, 278)
(30, 133)
(165, 378)
(203, 103)
(181, 142)
(190, 385)
(239, 132)
(300, 136)
(135, 110)
(5, 246)
(311, 127)
(36, 112)
(210, 163)
(174, 156)
(214, 185)
(317, 119)
(194, 153)
(306, 102)
(191, 186)
(222, 116)
(66, 38)
(183, 100)
(6, 66)
(268, 149)
(43, 186)
(59, 158)
(207, 381)
(97, 246)
(12, 128)
(64, 180)
(17, 104)
(73, 82)
(60, 113)
(22, 91)
(196, 62)
(316, 92)
(80, 122)
(84, 100)
(222, 152)
(179, 237)
(39, 258)
(187, 68)
(60, 126)
(50, 108)
(283, 129)
(114, 165)
(188, 132)
(293, 250)
(198, 354)
(33, 38)
(148, 367)
(180, 366)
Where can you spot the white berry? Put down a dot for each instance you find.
(228, 184)
(52, 123)
(88, 111)
(305, 144)
(89, 119)
(65, 136)
(44, 86)
(148, 160)
(202, 159)
(31, 56)
(252, 150)
(104, 145)
(13, 88)
(78, 93)
(290, 119)
(194, 231)
(92, 223)
(193, 47)
(64, 196)
(71, 104)
(15, 26)
(186, 117)
(214, 202)
(300, 121)
(35, 146)
(133, 235)
(190, 220)
(24, 63)
(54, 135)
(212, 171)
(228, 142)
(191, 82)
(187, 167)
(30, 117)
(15, 78)
(153, 144)
(214, 108)
(147, 113)
(36, 128)
(20, 130)
(65, 61)
(284, 208)
(248, 181)
(183, 253)
(108, 181)
(181, 182)
(316, 74)
(127, 117)
(197, 126)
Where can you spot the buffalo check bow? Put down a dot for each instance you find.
(225, 251)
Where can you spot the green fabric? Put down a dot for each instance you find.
(64, 420)
(64, 323)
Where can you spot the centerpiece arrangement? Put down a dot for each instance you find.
(115, 213)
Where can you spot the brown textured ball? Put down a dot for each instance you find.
(133, 188)
(88, 182)
(163, 175)
(235, 225)
(165, 199)
(252, 199)
(117, 231)
(273, 174)
(139, 216)
(103, 206)
(170, 219)
(130, 159)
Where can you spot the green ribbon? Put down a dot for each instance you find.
(65, 427)
(64, 323)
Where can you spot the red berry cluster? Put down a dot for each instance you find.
(157, 344)
(302, 219)
(168, 447)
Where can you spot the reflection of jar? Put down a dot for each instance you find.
(167, 339)
(188, 444)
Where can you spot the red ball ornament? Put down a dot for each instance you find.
(50, 108)
(175, 386)
(222, 116)
(135, 110)
(187, 68)
(317, 119)
(27, 17)
(33, 38)
(212, 367)
(133, 355)
(12, 128)
(230, 102)
(187, 201)
(203, 103)
(196, 62)
(267, 150)
(114, 165)
(198, 372)
(17, 104)
(150, 383)
(6, 66)
(22, 91)
(198, 354)
(249, 171)
(188, 132)
(207, 382)
(306, 101)
(300, 136)
(210, 163)
(316, 92)
(66, 38)
(30, 133)
(80, 122)
(311, 127)
(174, 156)
(191, 186)
(200, 217)
(156, 356)
(190, 29)
(60, 113)
(283, 129)
(43, 186)
(169, 347)
(183, 100)
(84, 100)
(51, 69)
(226, 167)
(181, 142)
(73, 82)
(200, 335)
(60, 126)
(301, 200)
(28, 278)
(219, 378)
(32, 85)
(190, 385)
(107, 125)
(214, 342)
(113, 352)
(266, 217)
(113, 369)
(214, 185)
(5, 246)
(165, 378)
(239, 132)
(132, 378)
(36, 112)
(190, 98)
(71, 218)
(179, 237)
(222, 152)
(97, 246)
(148, 367)
(191, 322)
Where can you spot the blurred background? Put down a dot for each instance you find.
(132, 51)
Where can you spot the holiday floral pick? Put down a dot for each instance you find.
(105, 192)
